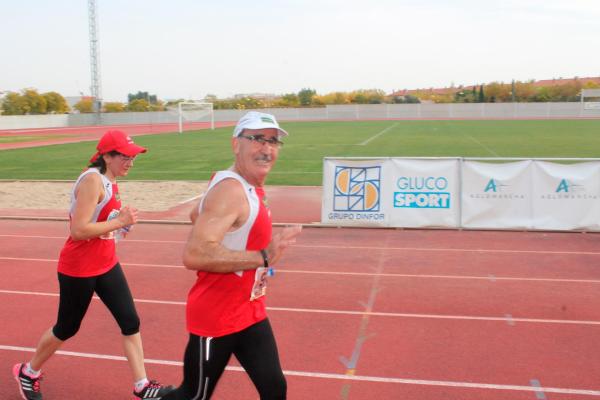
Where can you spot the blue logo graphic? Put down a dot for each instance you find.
(421, 200)
(566, 186)
(422, 192)
(494, 185)
(357, 189)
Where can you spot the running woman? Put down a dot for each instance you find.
(88, 264)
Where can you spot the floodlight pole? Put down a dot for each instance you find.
(180, 117)
(96, 87)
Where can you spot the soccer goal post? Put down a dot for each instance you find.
(195, 112)
(590, 99)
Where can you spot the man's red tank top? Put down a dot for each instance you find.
(221, 304)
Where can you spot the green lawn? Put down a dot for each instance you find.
(194, 155)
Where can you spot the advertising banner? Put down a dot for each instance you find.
(452, 193)
(566, 196)
(496, 195)
(425, 192)
(353, 192)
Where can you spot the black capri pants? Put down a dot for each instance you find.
(205, 360)
(76, 295)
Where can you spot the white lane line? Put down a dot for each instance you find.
(344, 247)
(191, 199)
(51, 260)
(421, 276)
(65, 237)
(343, 377)
(482, 145)
(345, 273)
(443, 249)
(378, 134)
(349, 312)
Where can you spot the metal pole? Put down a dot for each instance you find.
(96, 87)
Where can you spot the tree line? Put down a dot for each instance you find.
(30, 102)
(516, 91)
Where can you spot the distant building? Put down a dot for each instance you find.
(451, 90)
(258, 96)
(561, 81)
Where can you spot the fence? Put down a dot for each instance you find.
(333, 112)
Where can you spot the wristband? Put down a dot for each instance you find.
(265, 257)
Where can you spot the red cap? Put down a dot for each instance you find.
(117, 141)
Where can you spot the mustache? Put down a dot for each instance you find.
(264, 157)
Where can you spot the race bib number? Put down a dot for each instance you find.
(110, 235)
(260, 283)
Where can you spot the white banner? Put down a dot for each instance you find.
(353, 192)
(591, 105)
(566, 196)
(451, 193)
(425, 193)
(496, 196)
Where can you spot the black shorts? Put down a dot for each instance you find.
(76, 295)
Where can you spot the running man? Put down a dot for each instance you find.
(231, 247)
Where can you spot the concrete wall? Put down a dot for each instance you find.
(335, 112)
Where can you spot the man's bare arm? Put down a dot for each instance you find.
(221, 212)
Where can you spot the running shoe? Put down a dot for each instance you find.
(152, 391)
(28, 386)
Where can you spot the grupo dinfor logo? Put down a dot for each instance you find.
(422, 192)
(357, 189)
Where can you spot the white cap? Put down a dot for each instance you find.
(257, 120)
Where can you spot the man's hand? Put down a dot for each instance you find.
(281, 240)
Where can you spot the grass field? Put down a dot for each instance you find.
(194, 155)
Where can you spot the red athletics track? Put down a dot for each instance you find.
(358, 314)
(75, 134)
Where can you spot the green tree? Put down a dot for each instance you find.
(13, 104)
(481, 98)
(499, 92)
(55, 103)
(114, 107)
(305, 96)
(410, 99)
(158, 106)
(138, 105)
(150, 98)
(525, 91)
(248, 102)
(85, 105)
(288, 100)
(368, 96)
(35, 103)
(464, 96)
(340, 98)
(225, 104)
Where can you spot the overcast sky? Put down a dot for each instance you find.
(190, 48)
